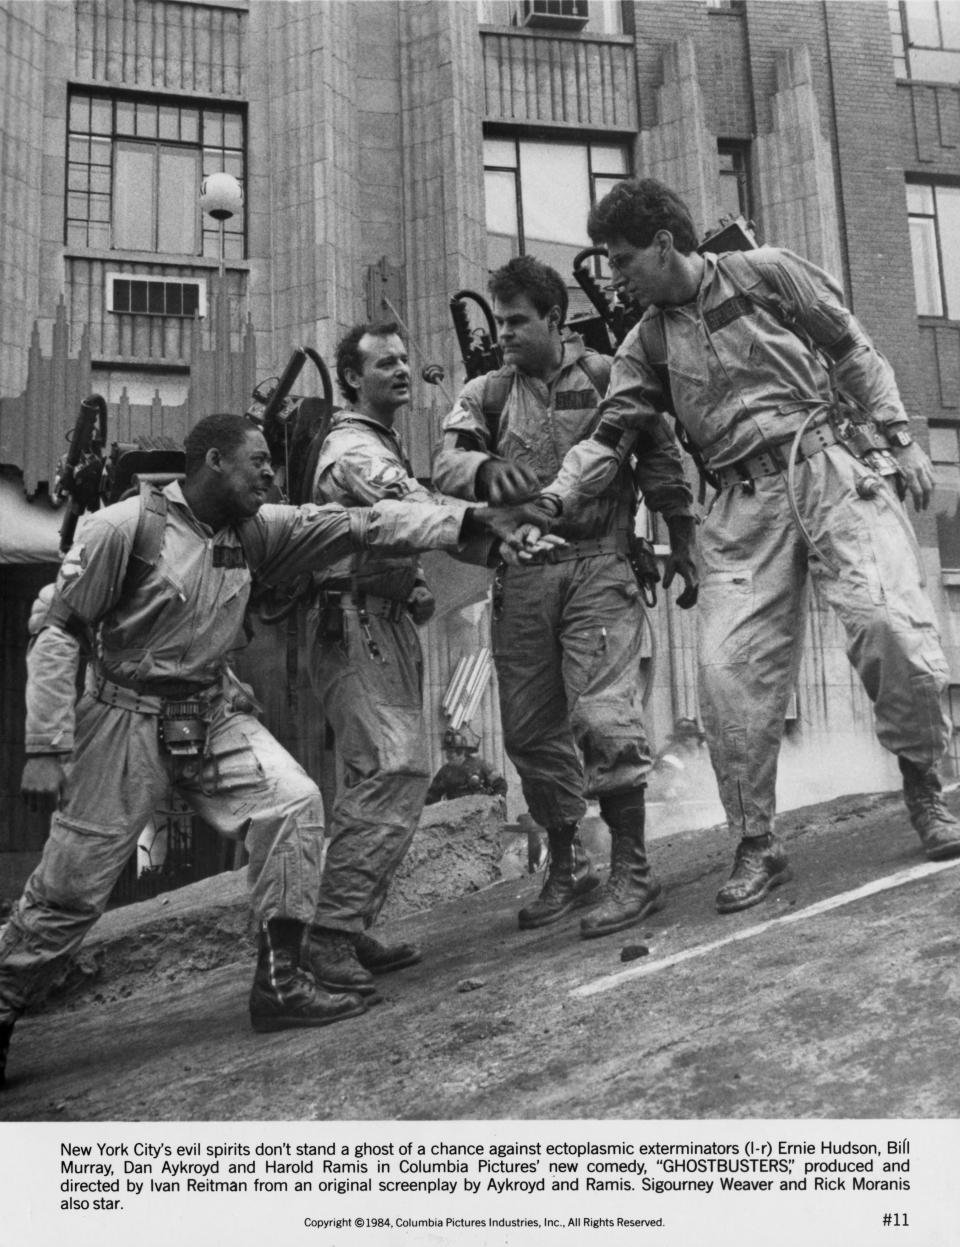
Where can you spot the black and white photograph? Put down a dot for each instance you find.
(480, 622)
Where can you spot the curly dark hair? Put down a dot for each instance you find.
(223, 431)
(636, 209)
(542, 285)
(350, 356)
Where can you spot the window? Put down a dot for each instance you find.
(734, 184)
(945, 454)
(155, 296)
(598, 17)
(926, 39)
(934, 213)
(538, 196)
(134, 171)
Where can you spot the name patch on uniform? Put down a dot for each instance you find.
(728, 311)
(228, 556)
(575, 400)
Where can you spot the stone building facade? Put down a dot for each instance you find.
(381, 145)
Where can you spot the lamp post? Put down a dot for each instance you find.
(221, 196)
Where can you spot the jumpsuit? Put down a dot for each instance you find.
(366, 669)
(567, 632)
(165, 639)
(742, 384)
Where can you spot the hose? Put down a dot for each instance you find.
(792, 497)
(880, 494)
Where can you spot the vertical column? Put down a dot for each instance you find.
(443, 207)
(22, 64)
(795, 169)
(303, 209)
(679, 148)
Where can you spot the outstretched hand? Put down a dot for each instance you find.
(528, 543)
(503, 483)
(504, 522)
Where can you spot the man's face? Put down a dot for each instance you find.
(527, 339)
(383, 383)
(640, 274)
(245, 476)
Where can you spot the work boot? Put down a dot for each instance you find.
(6, 1030)
(559, 892)
(630, 893)
(381, 958)
(335, 964)
(759, 866)
(938, 830)
(585, 878)
(284, 995)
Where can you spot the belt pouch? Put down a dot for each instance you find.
(182, 728)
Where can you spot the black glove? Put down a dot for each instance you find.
(421, 604)
(502, 483)
(504, 522)
(680, 560)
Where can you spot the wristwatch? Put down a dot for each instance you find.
(899, 438)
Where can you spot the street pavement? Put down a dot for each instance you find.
(837, 997)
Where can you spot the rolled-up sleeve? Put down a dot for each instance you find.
(52, 664)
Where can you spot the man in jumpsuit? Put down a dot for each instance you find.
(743, 377)
(366, 668)
(567, 628)
(161, 708)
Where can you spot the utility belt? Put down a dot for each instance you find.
(333, 603)
(774, 459)
(589, 548)
(182, 708)
(362, 603)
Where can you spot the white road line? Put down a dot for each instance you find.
(820, 907)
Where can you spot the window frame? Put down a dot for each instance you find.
(741, 152)
(587, 140)
(946, 474)
(131, 132)
(903, 42)
(947, 312)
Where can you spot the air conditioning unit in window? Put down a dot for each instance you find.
(555, 14)
(155, 296)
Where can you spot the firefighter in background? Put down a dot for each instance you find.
(463, 773)
(567, 626)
